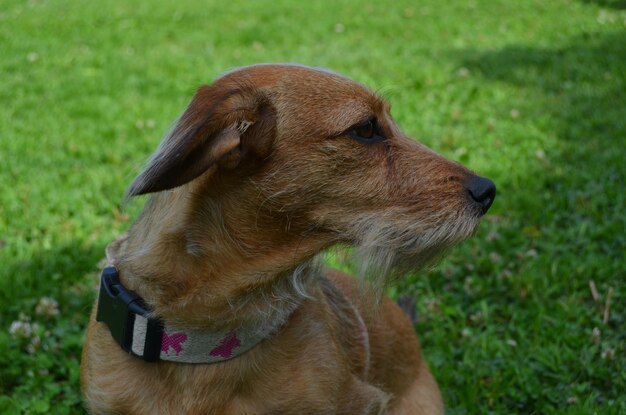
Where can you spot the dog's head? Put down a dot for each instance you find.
(314, 156)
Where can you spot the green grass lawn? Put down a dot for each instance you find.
(530, 93)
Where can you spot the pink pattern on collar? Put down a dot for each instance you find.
(226, 346)
(175, 341)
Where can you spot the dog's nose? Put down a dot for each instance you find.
(482, 190)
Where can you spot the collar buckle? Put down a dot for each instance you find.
(118, 309)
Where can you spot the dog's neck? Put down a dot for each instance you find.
(200, 268)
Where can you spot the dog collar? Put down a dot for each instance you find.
(139, 333)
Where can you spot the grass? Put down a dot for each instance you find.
(531, 94)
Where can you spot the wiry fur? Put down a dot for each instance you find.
(258, 176)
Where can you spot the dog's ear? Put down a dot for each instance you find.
(220, 127)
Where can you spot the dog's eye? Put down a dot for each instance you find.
(368, 132)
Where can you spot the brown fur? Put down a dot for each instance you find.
(258, 176)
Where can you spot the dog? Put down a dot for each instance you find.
(214, 302)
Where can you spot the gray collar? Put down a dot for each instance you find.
(145, 336)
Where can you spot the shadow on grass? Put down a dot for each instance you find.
(575, 95)
(613, 4)
(579, 98)
(58, 272)
(40, 366)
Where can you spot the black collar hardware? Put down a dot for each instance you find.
(118, 309)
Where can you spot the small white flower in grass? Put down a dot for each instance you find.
(531, 253)
(608, 354)
(596, 335)
(493, 236)
(540, 154)
(433, 305)
(20, 329)
(47, 307)
(511, 342)
(605, 17)
(477, 318)
(506, 274)
(462, 72)
(34, 345)
(461, 151)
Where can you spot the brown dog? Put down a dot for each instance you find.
(267, 167)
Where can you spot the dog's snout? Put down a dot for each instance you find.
(482, 190)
